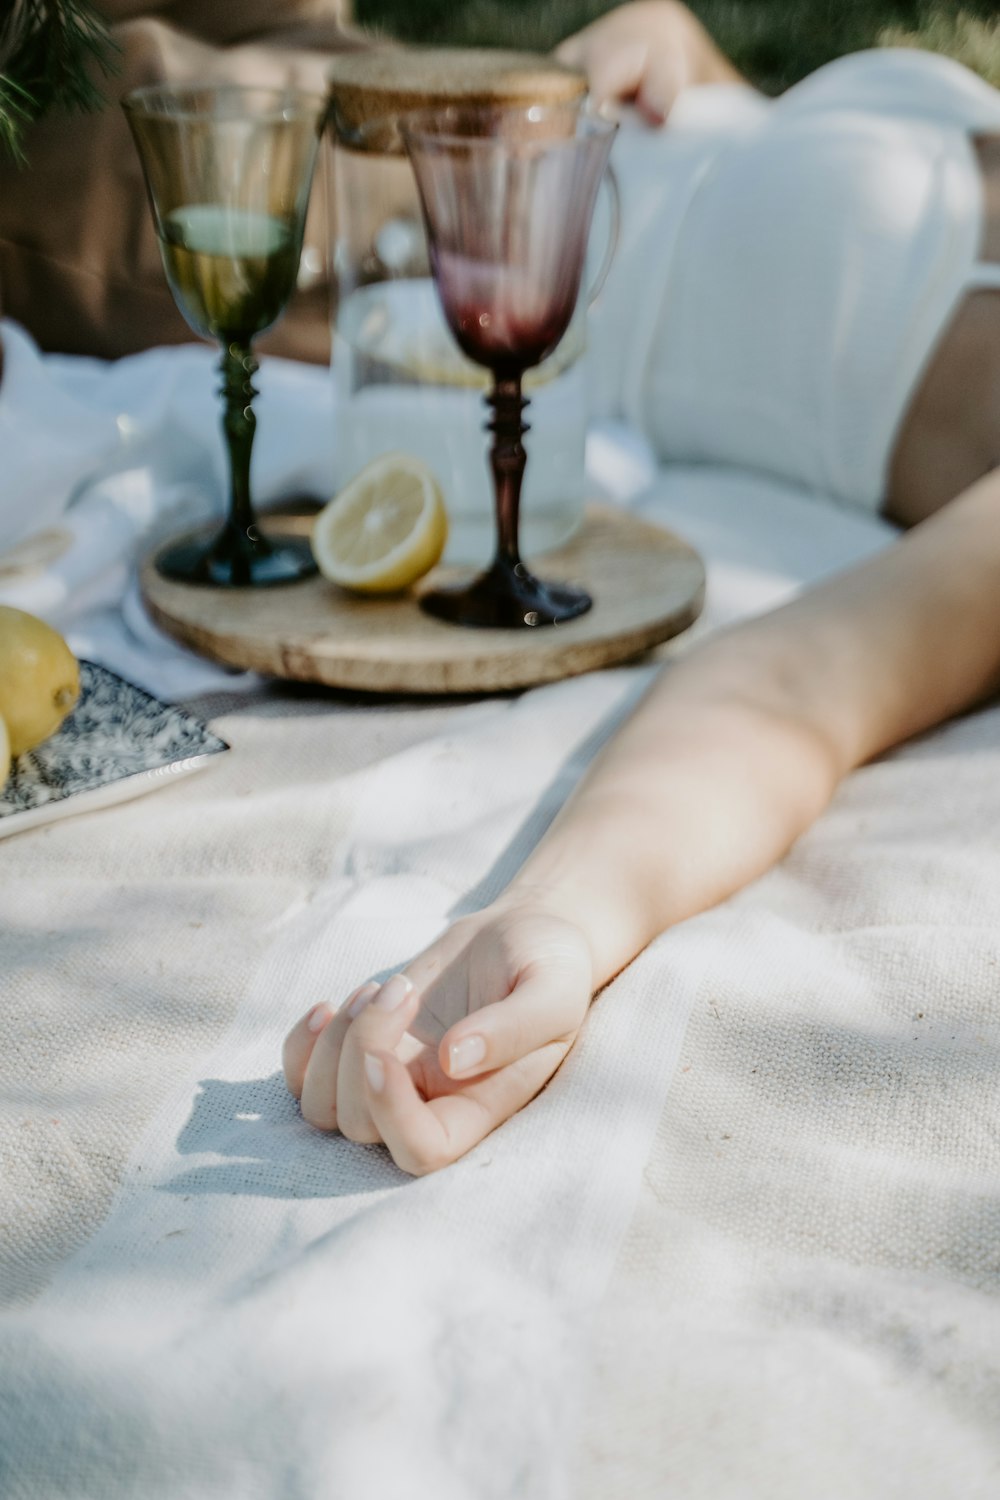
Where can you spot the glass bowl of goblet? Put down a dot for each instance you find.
(228, 172)
(508, 195)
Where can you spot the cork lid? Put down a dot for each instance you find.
(367, 88)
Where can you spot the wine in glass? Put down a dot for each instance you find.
(228, 172)
(508, 197)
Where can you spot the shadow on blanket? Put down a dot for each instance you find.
(269, 1151)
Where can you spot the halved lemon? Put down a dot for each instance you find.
(385, 530)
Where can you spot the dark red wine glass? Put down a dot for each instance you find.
(508, 197)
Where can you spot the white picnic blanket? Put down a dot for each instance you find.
(149, 462)
(745, 1247)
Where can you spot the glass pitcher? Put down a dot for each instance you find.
(402, 384)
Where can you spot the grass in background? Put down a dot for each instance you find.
(775, 42)
(972, 40)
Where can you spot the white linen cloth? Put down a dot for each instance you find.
(206, 1299)
(267, 1311)
(137, 454)
(804, 1302)
(203, 1298)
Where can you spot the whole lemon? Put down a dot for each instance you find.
(4, 754)
(39, 679)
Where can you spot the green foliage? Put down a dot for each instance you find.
(15, 114)
(973, 41)
(50, 51)
(775, 42)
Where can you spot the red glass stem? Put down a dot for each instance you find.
(507, 460)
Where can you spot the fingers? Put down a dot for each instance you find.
(300, 1041)
(422, 970)
(318, 1092)
(379, 1026)
(548, 1005)
(618, 75)
(425, 1136)
(647, 52)
(666, 74)
(323, 1054)
(652, 77)
(511, 992)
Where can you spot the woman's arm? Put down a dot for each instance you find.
(735, 751)
(739, 747)
(647, 52)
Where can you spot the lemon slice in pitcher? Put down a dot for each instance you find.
(385, 530)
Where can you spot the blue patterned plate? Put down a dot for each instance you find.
(117, 743)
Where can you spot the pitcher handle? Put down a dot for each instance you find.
(610, 180)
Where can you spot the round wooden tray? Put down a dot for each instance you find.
(647, 584)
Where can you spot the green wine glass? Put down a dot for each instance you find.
(228, 171)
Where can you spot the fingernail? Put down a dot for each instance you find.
(319, 1016)
(465, 1054)
(360, 999)
(375, 1073)
(393, 993)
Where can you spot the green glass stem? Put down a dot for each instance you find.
(239, 556)
(240, 539)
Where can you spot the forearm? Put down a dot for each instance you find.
(703, 790)
(738, 748)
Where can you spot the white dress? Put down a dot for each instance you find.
(787, 269)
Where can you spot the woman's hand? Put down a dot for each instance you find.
(442, 1053)
(646, 53)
